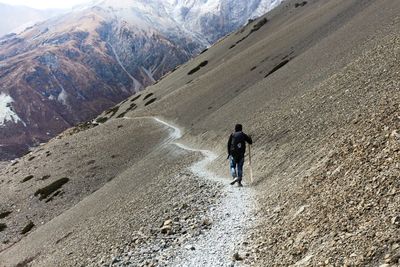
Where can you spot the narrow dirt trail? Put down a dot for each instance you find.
(230, 219)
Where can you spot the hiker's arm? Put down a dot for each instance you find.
(229, 145)
(248, 139)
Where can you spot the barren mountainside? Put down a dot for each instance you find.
(70, 68)
(315, 83)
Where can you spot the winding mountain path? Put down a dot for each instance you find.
(231, 218)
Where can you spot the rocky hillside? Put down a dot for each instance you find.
(315, 83)
(70, 68)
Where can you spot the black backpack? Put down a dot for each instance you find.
(237, 147)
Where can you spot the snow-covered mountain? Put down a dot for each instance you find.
(205, 20)
(213, 19)
(70, 68)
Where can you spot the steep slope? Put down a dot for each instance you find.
(70, 68)
(317, 86)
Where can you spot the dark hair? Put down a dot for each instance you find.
(238, 128)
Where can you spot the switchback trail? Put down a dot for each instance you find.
(231, 218)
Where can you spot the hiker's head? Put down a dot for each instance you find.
(238, 128)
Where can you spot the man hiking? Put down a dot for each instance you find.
(236, 150)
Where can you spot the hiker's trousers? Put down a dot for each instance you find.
(236, 168)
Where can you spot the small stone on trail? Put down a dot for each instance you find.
(167, 222)
(237, 257)
(207, 222)
(190, 247)
(114, 260)
(396, 220)
(166, 229)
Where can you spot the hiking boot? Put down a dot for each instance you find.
(234, 181)
(240, 184)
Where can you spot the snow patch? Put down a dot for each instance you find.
(62, 97)
(6, 112)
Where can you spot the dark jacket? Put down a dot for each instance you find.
(237, 145)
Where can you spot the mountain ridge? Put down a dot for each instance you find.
(70, 68)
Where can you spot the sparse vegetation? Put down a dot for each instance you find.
(123, 102)
(31, 158)
(45, 177)
(136, 98)
(148, 96)
(53, 196)
(194, 70)
(300, 4)
(120, 116)
(27, 228)
(258, 25)
(150, 101)
(112, 111)
(255, 28)
(101, 120)
(51, 188)
(277, 67)
(25, 262)
(133, 106)
(5, 214)
(202, 52)
(80, 128)
(201, 65)
(27, 178)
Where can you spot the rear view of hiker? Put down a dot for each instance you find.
(236, 150)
